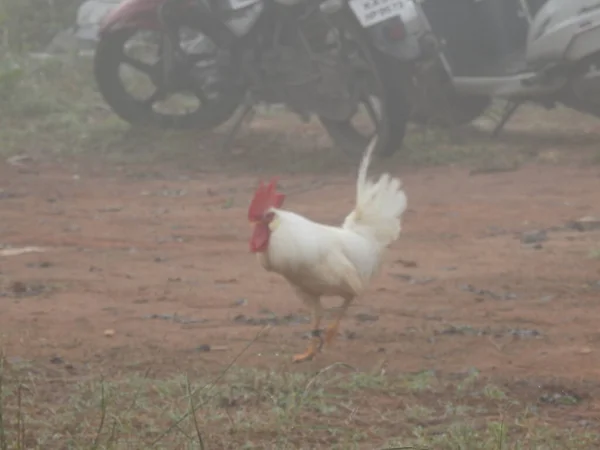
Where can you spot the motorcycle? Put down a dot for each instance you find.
(465, 53)
(327, 58)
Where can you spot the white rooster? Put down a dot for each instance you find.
(320, 260)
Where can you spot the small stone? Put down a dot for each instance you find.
(425, 280)
(364, 317)
(57, 360)
(18, 287)
(587, 223)
(534, 237)
(585, 350)
(241, 318)
(109, 333)
(350, 335)
(406, 263)
(240, 302)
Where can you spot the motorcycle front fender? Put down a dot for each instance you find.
(144, 15)
(133, 14)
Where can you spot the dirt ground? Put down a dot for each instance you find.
(158, 253)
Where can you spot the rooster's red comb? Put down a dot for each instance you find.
(265, 197)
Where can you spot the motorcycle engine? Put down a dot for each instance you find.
(306, 74)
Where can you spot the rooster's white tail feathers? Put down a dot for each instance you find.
(379, 206)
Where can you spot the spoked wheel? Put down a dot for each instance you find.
(130, 74)
(383, 109)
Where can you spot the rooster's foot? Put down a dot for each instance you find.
(306, 356)
(316, 343)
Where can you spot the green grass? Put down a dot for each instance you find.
(31, 24)
(336, 408)
(53, 104)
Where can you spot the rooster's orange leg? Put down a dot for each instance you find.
(332, 330)
(316, 342)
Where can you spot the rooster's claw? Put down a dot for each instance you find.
(304, 357)
(314, 347)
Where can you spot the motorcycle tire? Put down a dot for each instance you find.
(108, 58)
(395, 107)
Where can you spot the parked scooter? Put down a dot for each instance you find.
(464, 53)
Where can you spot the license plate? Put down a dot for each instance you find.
(372, 12)
(239, 4)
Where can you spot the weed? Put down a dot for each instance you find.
(494, 392)
(418, 412)
(469, 381)
(336, 408)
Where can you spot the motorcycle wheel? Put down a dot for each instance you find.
(392, 104)
(111, 55)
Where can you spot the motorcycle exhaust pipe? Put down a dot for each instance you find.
(515, 86)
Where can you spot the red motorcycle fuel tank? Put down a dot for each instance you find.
(132, 14)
